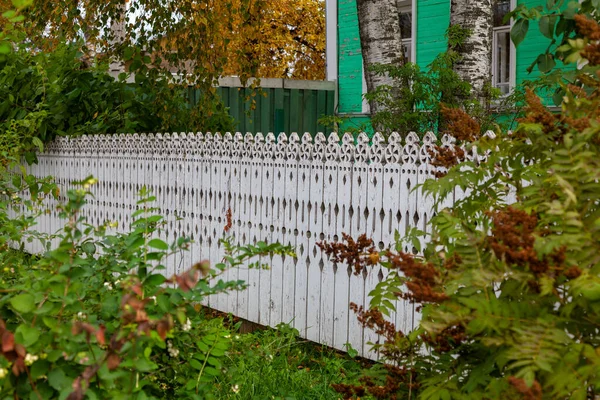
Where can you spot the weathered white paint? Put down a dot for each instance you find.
(277, 83)
(295, 191)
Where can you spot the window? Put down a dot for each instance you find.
(501, 49)
(405, 8)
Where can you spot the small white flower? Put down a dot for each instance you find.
(3, 373)
(235, 388)
(108, 285)
(187, 326)
(153, 298)
(81, 315)
(173, 352)
(30, 359)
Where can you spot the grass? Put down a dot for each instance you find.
(276, 364)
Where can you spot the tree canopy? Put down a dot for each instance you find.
(204, 39)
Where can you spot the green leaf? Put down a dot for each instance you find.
(127, 54)
(58, 380)
(519, 31)
(529, 377)
(5, 48)
(352, 352)
(39, 368)
(27, 335)
(30, 157)
(23, 303)
(211, 371)
(50, 322)
(571, 10)
(561, 26)
(158, 244)
(195, 364)
(190, 385)
(155, 280)
(557, 97)
(202, 346)
(545, 62)
(88, 248)
(590, 290)
(547, 23)
(214, 362)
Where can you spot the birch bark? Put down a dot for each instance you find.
(381, 42)
(475, 62)
(117, 37)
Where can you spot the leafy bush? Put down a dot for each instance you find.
(93, 316)
(415, 103)
(60, 93)
(509, 294)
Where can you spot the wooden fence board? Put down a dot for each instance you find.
(295, 191)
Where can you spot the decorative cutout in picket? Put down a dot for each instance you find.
(295, 191)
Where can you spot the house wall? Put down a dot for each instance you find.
(350, 62)
(432, 18)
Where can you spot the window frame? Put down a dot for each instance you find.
(407, 7)
(512, 54)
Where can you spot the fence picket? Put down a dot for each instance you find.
(295, 191)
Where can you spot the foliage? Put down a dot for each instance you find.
(417, 101)
(203, 39)
(509, 294)
(93, 316)
(48, 94)
(557, 21)
(288, 43)
(10, 20)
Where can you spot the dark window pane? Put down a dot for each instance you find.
(406, 25)
(501, 8)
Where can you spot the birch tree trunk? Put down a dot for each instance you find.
(475, 52)
(117, 37)
(381, 42)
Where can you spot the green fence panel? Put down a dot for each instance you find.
(321, 108)
(295, 111)
(279, 111)
(275, 109)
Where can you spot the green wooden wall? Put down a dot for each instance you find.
(278, 110)
(433, 18)
(350, 62)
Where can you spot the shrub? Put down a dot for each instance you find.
(509, 293)
(61, 93)
(94, 316)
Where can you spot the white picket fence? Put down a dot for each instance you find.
(289, 190)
